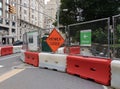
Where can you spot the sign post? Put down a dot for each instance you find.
(85, 38)
(55, 40)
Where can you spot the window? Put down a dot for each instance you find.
(7, 1)
(7, 22)
(32, 10)
(25, 12)
(13, 17)
(30, 39)
(7, 7)
(13, 2)
(13, 23)
(7, 15)
(0, 4)
(32, 16)
(0, 12)
(13, 30)
(20, 37)
(1, 20)
(25, 5)
(20, 31)
(35, 18)
(24, 18)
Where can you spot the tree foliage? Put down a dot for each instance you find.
(92, 9)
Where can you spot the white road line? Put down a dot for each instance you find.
(1, 66)
(104, 87)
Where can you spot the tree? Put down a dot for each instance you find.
(92, 9)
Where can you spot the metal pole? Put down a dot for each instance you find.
(88, 22)
(68, 35)
(108, 37)
(58, 13)
(58, 18)
(113, 20)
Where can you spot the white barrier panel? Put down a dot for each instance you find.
(17, 49)
(22, 56)
(115, 74)
(60, 50)
(53, 61)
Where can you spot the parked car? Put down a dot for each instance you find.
(18, 42)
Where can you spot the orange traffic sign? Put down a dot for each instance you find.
(55, 40)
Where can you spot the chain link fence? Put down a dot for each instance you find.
(116, 36)
(93, 37)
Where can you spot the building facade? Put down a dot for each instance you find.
(52, 7)
(28, 17)
(8, 23)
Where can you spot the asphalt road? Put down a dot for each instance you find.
(14, 74)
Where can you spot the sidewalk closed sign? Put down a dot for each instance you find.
(55, 40)
(85, 37)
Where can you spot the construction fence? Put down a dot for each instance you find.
(116, 36)
(93, 37)
(99, 38)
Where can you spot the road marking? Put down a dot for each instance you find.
(10, 74)
(1, 66)
(104, 87)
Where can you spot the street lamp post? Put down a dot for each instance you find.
(58, 12)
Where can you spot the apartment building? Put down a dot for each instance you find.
(8, 23)
(52, 7)
(29, 16)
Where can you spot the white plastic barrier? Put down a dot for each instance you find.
(22, 56)
(60, 50)
(53, 61)
(115, 74)
(17, 49)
